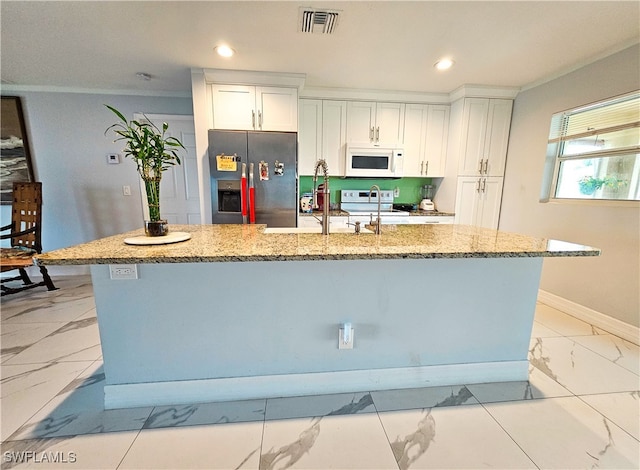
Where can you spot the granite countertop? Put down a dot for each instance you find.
(218, 243)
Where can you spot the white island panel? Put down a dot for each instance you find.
(189, 332)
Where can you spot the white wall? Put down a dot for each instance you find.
(609, 284)
(82, 194)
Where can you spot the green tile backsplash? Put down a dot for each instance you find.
(409, 187)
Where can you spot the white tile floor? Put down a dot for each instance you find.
(580, 408)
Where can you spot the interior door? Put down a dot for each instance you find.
(179, 192)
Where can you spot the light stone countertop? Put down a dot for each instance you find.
(221, 243)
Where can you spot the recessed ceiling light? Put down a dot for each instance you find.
(443, 64)
(224, 51)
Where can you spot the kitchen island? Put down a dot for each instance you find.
(236, 313)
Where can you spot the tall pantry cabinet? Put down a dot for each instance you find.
(483, 133)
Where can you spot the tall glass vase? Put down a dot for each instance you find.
(155, 226)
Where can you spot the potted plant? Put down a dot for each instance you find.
(589, 184)
(153, 153)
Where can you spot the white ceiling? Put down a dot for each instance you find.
(377, 46)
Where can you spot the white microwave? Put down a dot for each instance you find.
(374, 162)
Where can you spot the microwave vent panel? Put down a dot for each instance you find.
(318, 21)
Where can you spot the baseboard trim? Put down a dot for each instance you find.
(275, 386)
(612, 325)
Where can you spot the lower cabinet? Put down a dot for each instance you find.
(478, 201)
(311, 221)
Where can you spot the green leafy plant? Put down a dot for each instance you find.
(152, 151)
(589, 184)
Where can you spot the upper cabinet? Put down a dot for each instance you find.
(322, 135)
(243, 107)
(375, 123)
(309, 135)
(484, 138)
(426, 130)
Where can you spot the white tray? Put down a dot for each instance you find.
(172, 237)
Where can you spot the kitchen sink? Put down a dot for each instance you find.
(270, 230)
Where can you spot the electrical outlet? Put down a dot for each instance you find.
(396, 192)
(342, 344)
(123, 271)
(126, 190)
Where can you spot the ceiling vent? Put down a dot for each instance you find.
(318, 21)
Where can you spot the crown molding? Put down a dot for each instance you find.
(251, 77)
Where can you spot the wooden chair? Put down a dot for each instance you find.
(25, 234)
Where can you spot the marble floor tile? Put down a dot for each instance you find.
(206, 413)
(617, 350)
(541, 331)
(319, 405)
(566, 433)
(79, 409)
(27, 388)
(93, 451)
(355, 441)
(621, 408)
(16, 337)
(65, 304)
(417, 398)
(220, 446)
(579, 369)
(564, 324)
(451, 437)
(77, 340)
(538, 386)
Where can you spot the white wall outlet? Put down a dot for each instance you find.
(345, 337)
(126, 190)
(123, 271)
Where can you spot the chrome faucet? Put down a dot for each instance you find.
(377, 224)
(326, 194)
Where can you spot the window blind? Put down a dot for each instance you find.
(602, 118)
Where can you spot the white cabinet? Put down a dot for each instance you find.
(322, 135)
(426, 130)
(309, 135)
(255, 108)
(484, 138)
(478, 201)
(311, 221)
(334, 135)
(375, 123)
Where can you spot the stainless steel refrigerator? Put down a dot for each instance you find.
(273, 156)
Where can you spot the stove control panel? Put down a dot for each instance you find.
(355, 195)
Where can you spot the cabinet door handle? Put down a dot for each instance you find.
(253, 119)
(484, 184)
(426, 171)
(478, 186)
(371, 134)
(480, 168)
(486, 166)
(422, 168)
(260, 119)
(377, 134)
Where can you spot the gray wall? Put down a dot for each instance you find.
(609, 284)
(82, 194)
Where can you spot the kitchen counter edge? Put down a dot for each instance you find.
(245, 243)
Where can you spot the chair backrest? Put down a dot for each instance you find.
(26, 212)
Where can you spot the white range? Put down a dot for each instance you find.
(362, 206)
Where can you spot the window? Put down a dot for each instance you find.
(594, 151)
